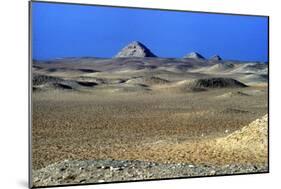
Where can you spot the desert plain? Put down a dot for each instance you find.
(102, 120)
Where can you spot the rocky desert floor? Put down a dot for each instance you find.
(103, 120)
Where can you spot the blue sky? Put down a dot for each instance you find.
(65, 30)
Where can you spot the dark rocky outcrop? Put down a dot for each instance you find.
(218, 82)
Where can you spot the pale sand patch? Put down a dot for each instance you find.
(247, 145)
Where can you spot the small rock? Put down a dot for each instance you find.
(115, 168)
(105, 167)
(149, 175)
(101, 180)
(81, 168)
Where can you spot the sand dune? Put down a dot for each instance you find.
(121, 75)
(216, 68)
(204, 84)
(255, 78)
(247, 145)
(251, 68)
(252, 137)
(233, 94)
(148, 80)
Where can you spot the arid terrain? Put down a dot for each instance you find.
(170, 112)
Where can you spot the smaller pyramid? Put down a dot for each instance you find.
(216, 58)
(194, 55)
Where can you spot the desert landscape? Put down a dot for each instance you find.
(137, 116)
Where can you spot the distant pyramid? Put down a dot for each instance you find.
(216, 58)
(194, 55)
(135, 49)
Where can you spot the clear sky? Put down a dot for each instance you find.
(64, 30)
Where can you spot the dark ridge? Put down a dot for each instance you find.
(258, 66)
(151, 67)
(37, 67)
(122, 80)
(43, 79)
(62, 86)
(264, 76)
(53, 69)
(66, 69)
(87, 84)
(35, 89)
(88, 70)
(217, 83)
(228, 65)
(132, 61)
(232, 110)
(157, 80)
(143, 85)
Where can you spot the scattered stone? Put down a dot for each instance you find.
(115, 168)
(98, 171)
(105, 167)
(82, 180)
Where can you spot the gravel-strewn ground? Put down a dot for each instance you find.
(96, 171)
(97, 112)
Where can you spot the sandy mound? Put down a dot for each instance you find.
(125, 88)
(147, 81)
(209, 83)
(255, 78)
(252, 68)
(43, 79)
(220, 67)
(216, 83)
(252, 137)
(256, 67)
(233, 94)
(216, 68)
(44, 82)
(70, 70)
(247, 145)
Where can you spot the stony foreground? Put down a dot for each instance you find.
(97, 171)
(251, 137)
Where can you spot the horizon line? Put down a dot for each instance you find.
(97, 57)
